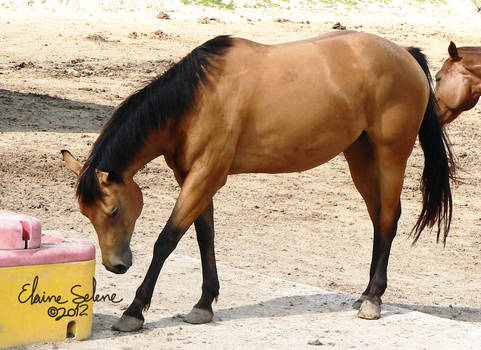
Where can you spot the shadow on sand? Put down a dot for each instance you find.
(41, 113)
(287, 306)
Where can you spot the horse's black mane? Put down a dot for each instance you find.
(166, 98)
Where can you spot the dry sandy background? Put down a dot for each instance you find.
(60, 80)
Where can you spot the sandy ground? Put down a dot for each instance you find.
(60, 80)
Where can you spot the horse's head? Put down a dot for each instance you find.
(113, 215)
(454, 87)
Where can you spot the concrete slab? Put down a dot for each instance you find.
(261, 312)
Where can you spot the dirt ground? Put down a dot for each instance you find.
(61, 78)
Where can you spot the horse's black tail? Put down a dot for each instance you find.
(439, 165)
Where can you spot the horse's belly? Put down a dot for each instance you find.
(276, 163)
(282, 150)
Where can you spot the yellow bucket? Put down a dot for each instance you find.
(48, 302)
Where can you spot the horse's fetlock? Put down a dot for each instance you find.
(134, 312)
(213, 290)
(378, 287)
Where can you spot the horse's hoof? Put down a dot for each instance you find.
(127, 323)
(198, 316)
(369, 310)
(357, 304)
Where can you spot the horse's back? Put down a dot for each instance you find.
(346, 63)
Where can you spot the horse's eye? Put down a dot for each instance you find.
(114, 212)
(438, 79)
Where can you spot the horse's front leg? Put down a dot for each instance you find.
(197, 191)
(132, 318)
(204, 226)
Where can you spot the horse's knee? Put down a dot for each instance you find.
(167, 241)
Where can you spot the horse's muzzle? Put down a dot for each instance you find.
(119, 264)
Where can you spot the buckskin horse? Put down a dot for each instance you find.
(458, 83)
(235, 106)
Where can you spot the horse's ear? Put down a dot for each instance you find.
(104, 177)
(70, 161)
(453, 51)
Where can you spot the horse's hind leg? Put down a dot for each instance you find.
(204, 226)
(362, 165)
(377, 172)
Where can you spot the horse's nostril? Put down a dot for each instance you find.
(120, 268)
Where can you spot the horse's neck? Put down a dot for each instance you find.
(158, 143)
(476, 70)
(472, 62)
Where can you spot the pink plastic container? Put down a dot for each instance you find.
(22, 243)
(19, 231)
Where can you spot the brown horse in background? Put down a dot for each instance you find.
(235, 106)
(458, 83)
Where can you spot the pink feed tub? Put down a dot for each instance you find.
(19, 231)
(22, 243)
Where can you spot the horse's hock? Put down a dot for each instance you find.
(46, 283)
